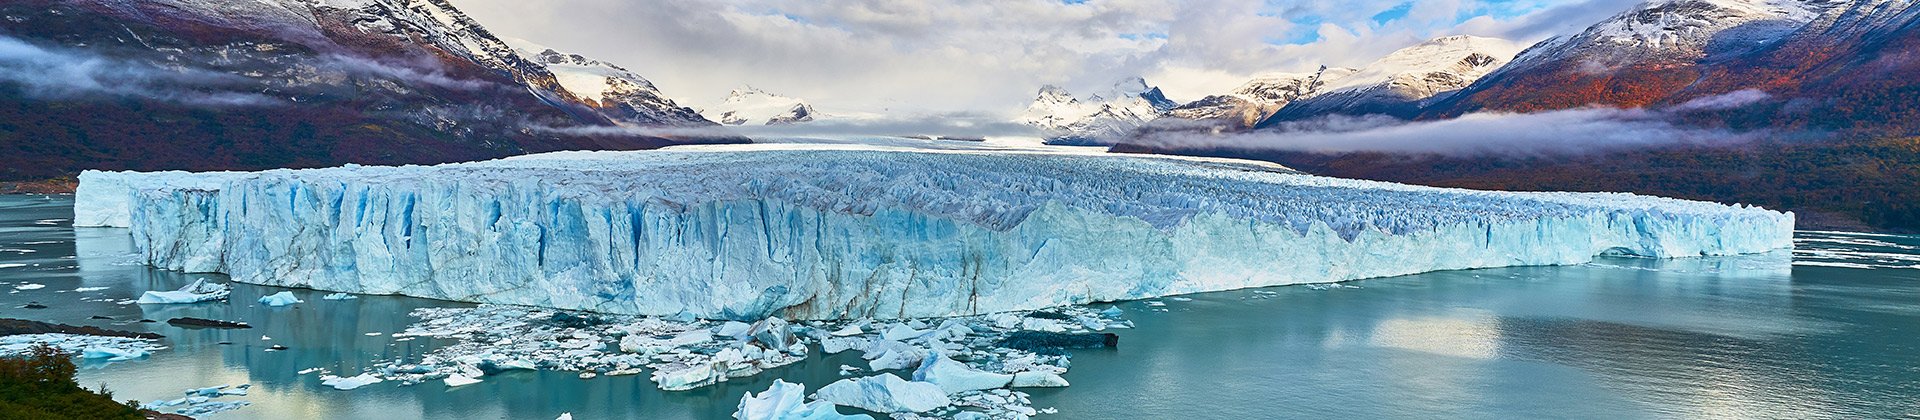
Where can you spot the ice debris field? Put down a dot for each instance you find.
(746, 233)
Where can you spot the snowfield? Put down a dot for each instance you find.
(746, 232)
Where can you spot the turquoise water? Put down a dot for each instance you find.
(1828, 331)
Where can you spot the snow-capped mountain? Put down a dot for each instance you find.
(750, 106)
(1260, 97)
(1636, 58)
(1097, 119)
(237, 84)
(621, 95)
(1396, 84)
(1401, 82)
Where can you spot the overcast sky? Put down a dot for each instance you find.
(937, 56)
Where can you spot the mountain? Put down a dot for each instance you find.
(1641, 57)
(1401, 83)
(1260, 97)
(252, 84)
(749, 106)
(620, 95)
(1097, 119)
(1398, 84)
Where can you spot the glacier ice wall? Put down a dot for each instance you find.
(743, 234)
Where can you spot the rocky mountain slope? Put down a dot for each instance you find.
(245, 84)
(1402, 82)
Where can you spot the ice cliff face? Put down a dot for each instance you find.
(745, 233)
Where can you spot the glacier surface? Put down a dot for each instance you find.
(746, 232)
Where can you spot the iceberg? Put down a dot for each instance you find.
(338, 296)
(746, 233)
(884, 393)
(955, 377)
(113, 354)
(1038, 380)
(279, 299)
(199, 291)
(786, 401)
(350, 382)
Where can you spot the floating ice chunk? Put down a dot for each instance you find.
(113, 354)
(460, 380)
(645, 344)
(29, 286)
(338, 296)
(787, 401)
(564, 416)
(351, 382)
(1038, 380)
(89, 289)
(772, 332)
(681, 377)
(834, 345)
(884, 393)
(954, 377)
(279, 299)
(885, 354)
(199, 291)
(736, 329)
(850, 330)
(203, 408)
(901, 332)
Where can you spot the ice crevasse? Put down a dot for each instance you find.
(744, 233)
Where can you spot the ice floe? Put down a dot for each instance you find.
(279, 299)
(885, 393)
(201, 401)
(200, 290)
(350, 382)
(86, 346)
(787, 401)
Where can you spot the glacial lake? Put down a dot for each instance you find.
(1830, 330)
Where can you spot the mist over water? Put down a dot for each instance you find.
(1821, 332)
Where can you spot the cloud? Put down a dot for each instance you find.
(1551, 133)
(952, 125)
(428, 73)
(890, 56)
(61, 73)
(1729, 100)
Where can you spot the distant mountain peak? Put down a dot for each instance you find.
(748, 105)
(1100, 117)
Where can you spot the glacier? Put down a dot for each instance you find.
(831, 232)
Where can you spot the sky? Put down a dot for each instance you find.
(968, 56)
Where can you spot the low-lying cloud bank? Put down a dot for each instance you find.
(57, 73)
(1549, 133)
(949, 126)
